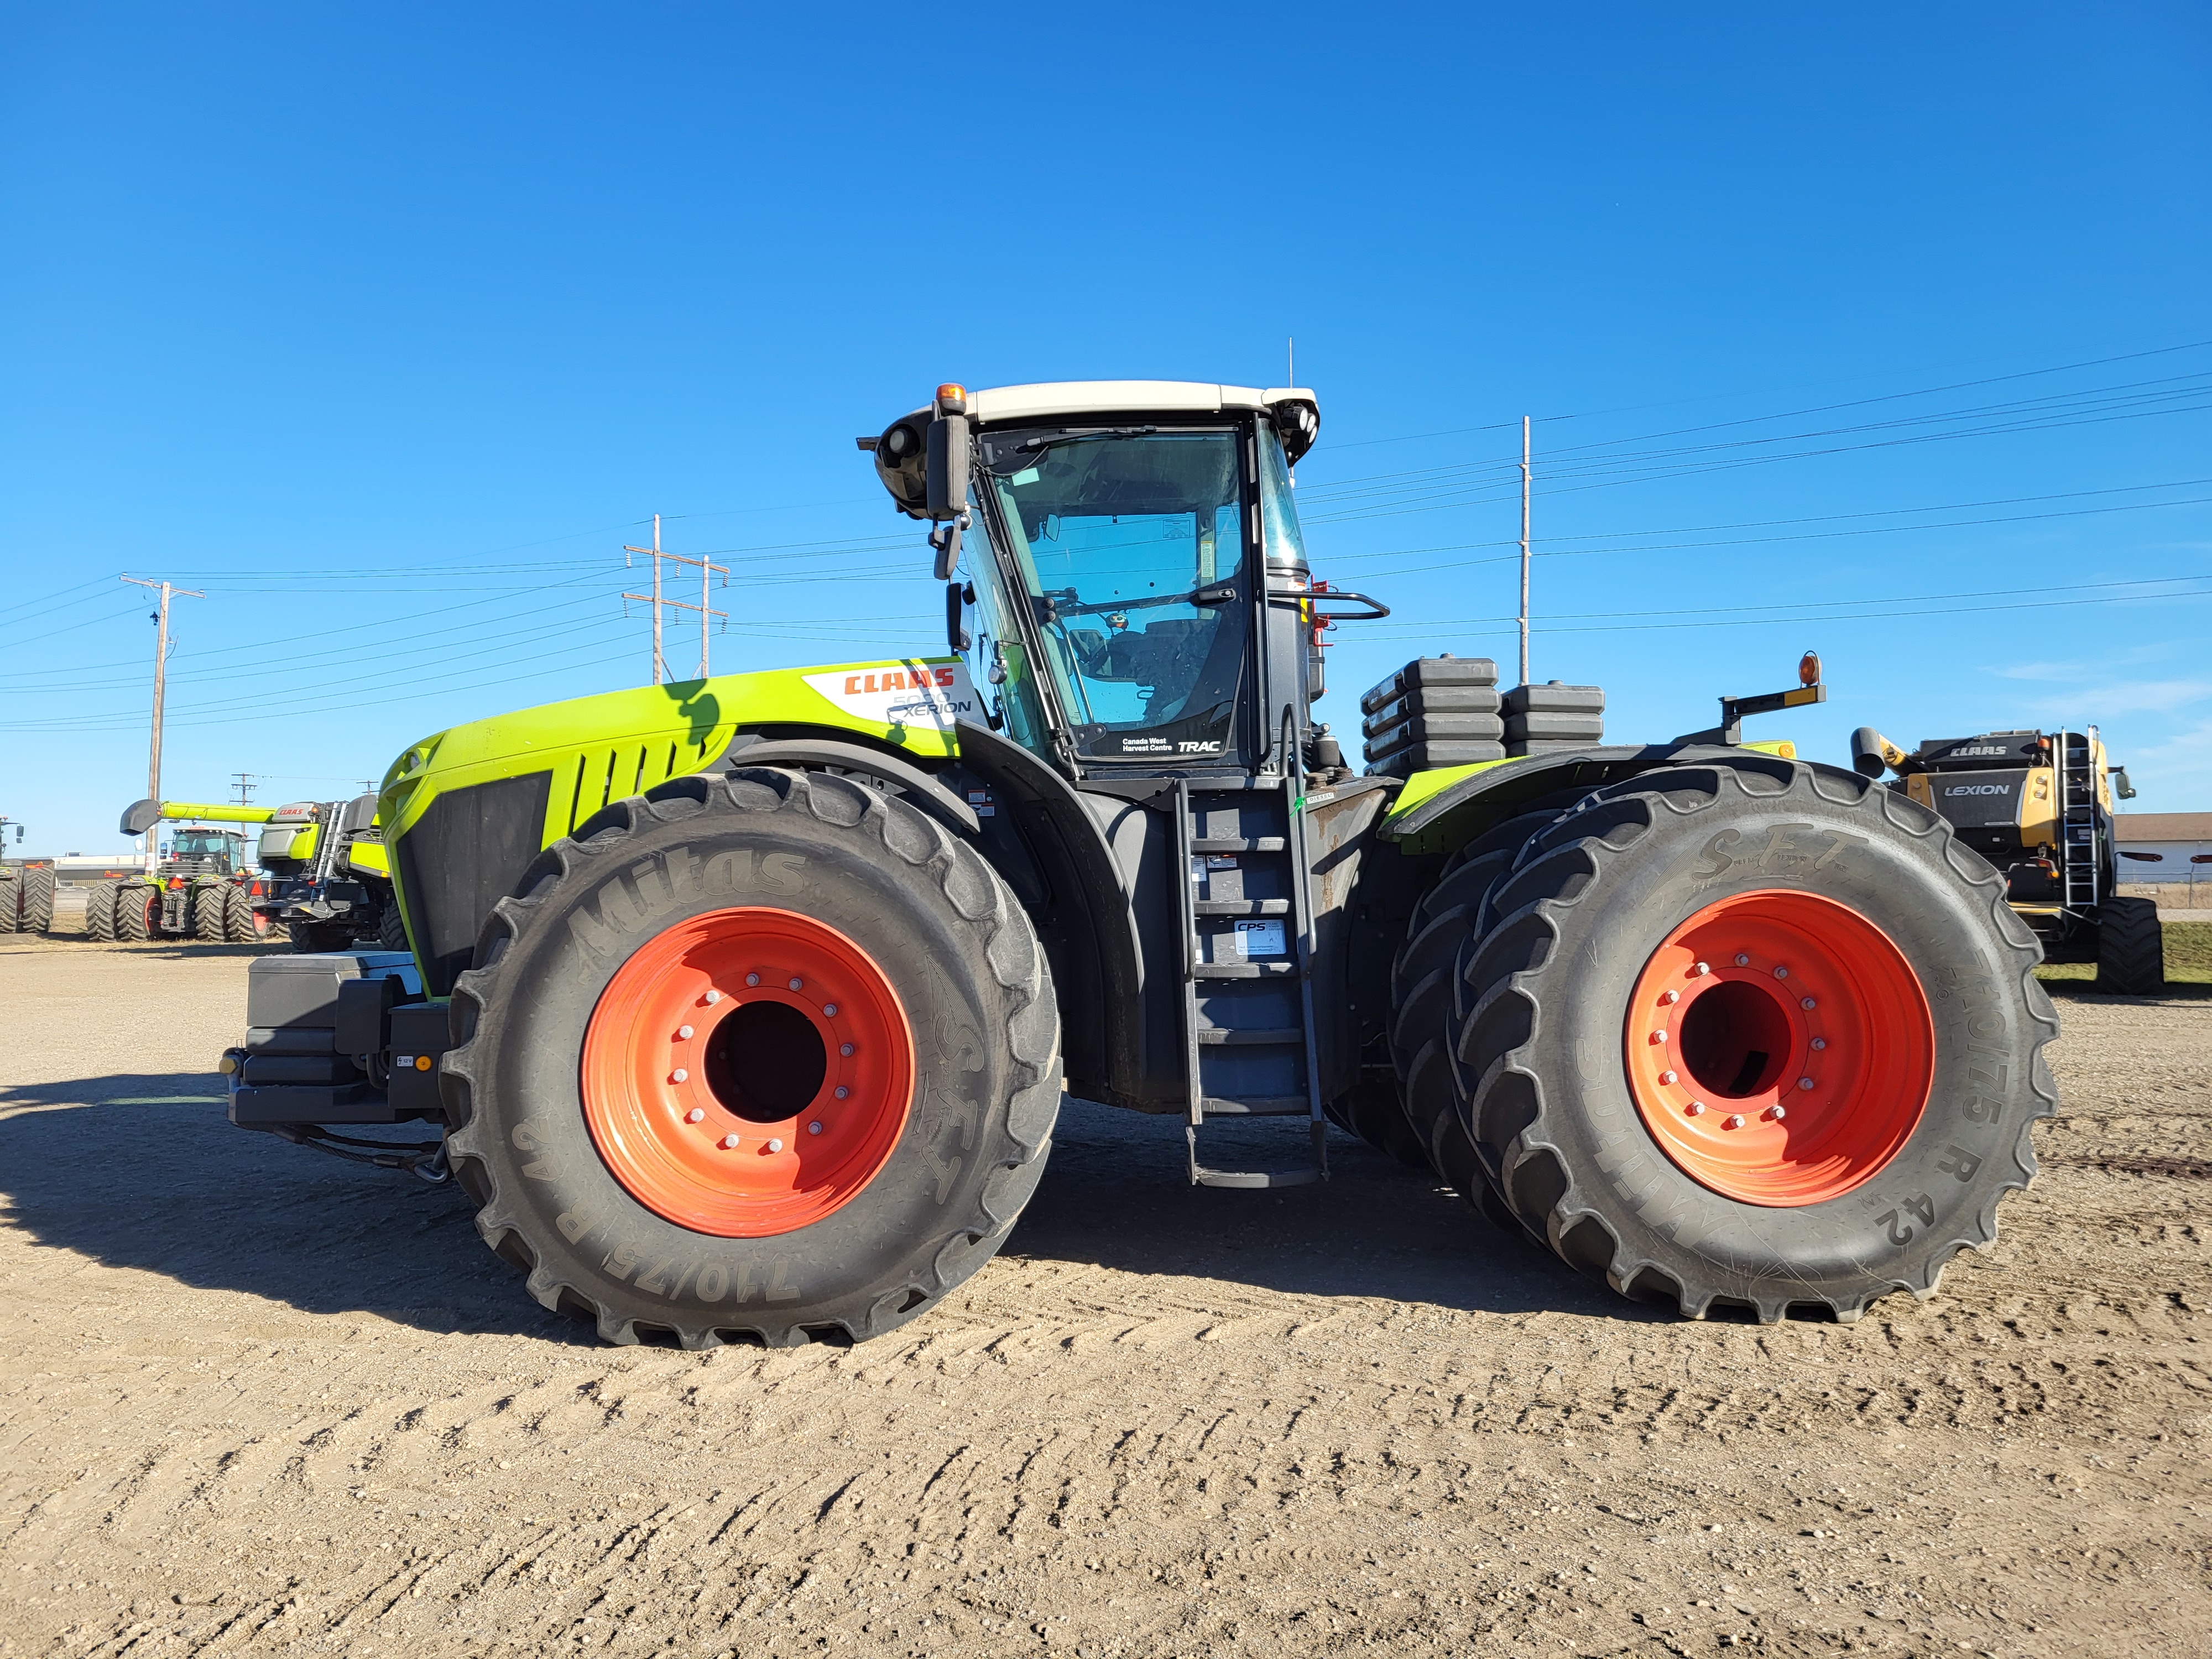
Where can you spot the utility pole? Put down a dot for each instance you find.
(161, 680)
(1524, 550)
(706, 574)
(244, 787)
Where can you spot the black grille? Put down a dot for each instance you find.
(462, 856)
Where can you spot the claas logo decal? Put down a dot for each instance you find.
(911, 693)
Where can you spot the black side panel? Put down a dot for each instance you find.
(1081, 911)
(465, 855)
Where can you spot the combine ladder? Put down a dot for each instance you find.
(1247, 931)
(2078, 820)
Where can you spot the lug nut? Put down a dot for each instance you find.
(1666, 1077)
(1735, 1120)
(695, 1115)
(1699, 970)
(796, 984)
(683, 1034)
(714, 997)
(1781, 973)
(729, 1143)
(1741, 960)
(1804, 1082)
(678, 1075)
(1777, 1113)
(1696, 1107)
(814, 1128)
(1658, 1036)
(845, 1049)
(829, 1010)
(1807, 1004)
(1670, 996)
(752, 978)
(775, 1145)
(842, 1092)
(1819, 1042)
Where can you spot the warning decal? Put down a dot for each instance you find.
(912, 693)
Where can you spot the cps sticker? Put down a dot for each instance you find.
(912, 693)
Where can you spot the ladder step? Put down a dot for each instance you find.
(1206, 1178)
(1274, 1036)
(1238, 844)
(1258, 1106)
(1244, 907)
(1245, 970)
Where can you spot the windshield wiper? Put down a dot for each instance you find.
(1081, 434)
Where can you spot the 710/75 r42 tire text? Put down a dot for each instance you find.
(1756, 1035)
(768, 1056)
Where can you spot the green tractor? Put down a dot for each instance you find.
(199, 890)
(743, 1008)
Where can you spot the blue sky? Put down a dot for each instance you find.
(1880, 328)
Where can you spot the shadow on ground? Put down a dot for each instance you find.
(143, 1170)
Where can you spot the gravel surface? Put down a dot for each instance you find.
(253, 1399)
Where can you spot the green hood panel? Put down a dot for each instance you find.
(618, 743)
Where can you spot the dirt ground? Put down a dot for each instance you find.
(253, 1399)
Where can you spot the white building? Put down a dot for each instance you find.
(2159, 848)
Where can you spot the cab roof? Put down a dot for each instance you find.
(1053, 398)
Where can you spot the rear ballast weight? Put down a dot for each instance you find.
(745, 1007)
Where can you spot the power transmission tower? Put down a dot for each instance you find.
(244, 787)
(656, 600)
(161, 680)
(1524, 550)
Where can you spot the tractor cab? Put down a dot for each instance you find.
(1139, 594)
(197, 850)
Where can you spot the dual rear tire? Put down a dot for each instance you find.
(1751, 1034)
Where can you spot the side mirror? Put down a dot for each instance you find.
(951, 450)
(2121, 787)
(956, 636)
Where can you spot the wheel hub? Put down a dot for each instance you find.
(747, 1072)
(1779, 1048)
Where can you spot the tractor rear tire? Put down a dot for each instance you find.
(38, 884)
(11, 900)
(99, 913)
(390, 926)
(1785, 902)
(239, 922)
(208, 909)
(136, 905)
(2130, 948)
(569, 1127)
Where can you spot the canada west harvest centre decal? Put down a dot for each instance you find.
(913, 693)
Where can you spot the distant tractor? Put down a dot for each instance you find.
(326, 880)
(27, 891)
(743, 1008)
(199, 891)
(2039, 806)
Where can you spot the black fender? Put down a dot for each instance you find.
(1075, 893)
(1458, 813)
(923, 791)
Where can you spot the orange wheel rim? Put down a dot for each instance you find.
(1780, 1048)
(747, 1072)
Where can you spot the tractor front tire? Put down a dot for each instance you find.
(99, 913)
(11, 900)
(2130, 948)
(137, 909)
(38, 884)
(1757, 1035)
(768, 1056)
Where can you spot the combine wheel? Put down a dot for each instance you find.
(1754, 1037)
(317, 938)
(99, 913)
(137, 910)
(208, 911)
(2130, 948)
(239, 925)
(768, 1056)
(37, 885)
